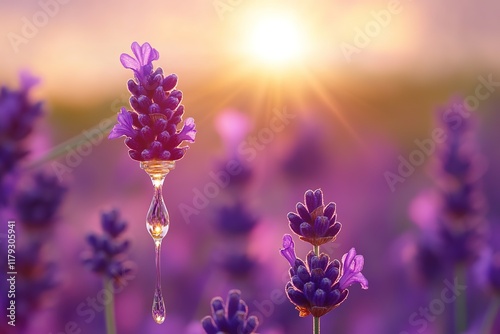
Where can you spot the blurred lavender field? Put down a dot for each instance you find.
(391, 108)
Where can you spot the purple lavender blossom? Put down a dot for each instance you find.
(151, 127)
(108, 250)
(37, 206)
(316, 287)
(313, 286)
(230, 318)
(314, 222)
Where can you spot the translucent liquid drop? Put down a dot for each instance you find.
(157, 224)
(158, 310)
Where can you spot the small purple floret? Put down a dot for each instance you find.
(288, 250)
(144, 55)
(124, 126)
(352, 265)
(188, 132)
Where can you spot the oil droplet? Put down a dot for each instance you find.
(157, 224)
(157, 219)
(158, 310)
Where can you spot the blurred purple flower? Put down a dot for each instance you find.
(306, 157)
(352, 265)
(108, 252)
(428, 260)
(151, 127)
(34, 281)
(459, 167)
(17, 112)
(235, 220)
(230, 318)
(452, 214)
(238, 264)
(37, 206)
(17, 117)
(111, 224)
(314, 222)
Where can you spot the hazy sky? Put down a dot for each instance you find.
(77, 41)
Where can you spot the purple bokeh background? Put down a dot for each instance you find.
(326, 123)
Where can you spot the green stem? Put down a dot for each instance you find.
(316, 319)
(72, 143)
(109, 307)
(461, 302)
(489, 319)
(315, 325)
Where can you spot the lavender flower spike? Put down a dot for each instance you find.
(288, 250)
(108, 251)
(313, 287)
(230, 318)
(37, 206)
(352, 265)
(151, 125)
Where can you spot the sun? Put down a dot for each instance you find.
(276, 39)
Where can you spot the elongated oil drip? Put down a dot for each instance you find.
(157, 224)
(158, 310)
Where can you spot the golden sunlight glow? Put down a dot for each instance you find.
(276, 39)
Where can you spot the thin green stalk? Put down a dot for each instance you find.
(316, 319)
(315, 325)
(109, 307)
(489, 319)
(72, 143)
(461, 302)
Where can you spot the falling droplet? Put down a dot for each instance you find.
(158, 310)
